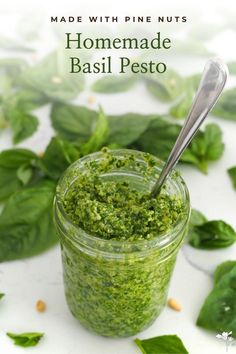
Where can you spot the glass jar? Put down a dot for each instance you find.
(118, 288)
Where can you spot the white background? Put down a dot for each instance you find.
(26, 281)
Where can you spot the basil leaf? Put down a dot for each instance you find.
(126, 128)
(212, 235)
(166, 86)
(52, 77)
(25, 100)
(219, 309)
(226, 106)
(73, 123)
(158, 139)
(22, 124)
(13, 166)
(57, 157)
(29, 339)
(207, 146)
(167, 344)
(26, 224)
(223, 269)
(148, 133)
(114, 83)
(160, 136)
(14, 158)
(24, 174)
(232, 174)
(182, 107)
(98, 137)
(15, 106)
(1, 295)
(196, 218)
(78, 124)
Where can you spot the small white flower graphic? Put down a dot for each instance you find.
(227, 338)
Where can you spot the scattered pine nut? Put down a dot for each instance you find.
(91, 99)
(56, 80)
(40, 153)
(172, 303)
(172, 82)
(40, 306)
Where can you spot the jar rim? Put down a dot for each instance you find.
(160, 240)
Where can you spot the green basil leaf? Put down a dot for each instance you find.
(22, 124)
(14, 158)
(25, 100)
(226, 106)
(218, 312)
(77, 123)
(223, 269)
(24, 174)
(26, 223)
(114, 83)
(181, 108)
(98, 137)
(183, 105)
(13, 166)
(1, 295)
(52, 77)
(149, 133)
(232, 174)
(167, 344)
(126, 128)
(73, 123)
(58, 156)
(158, 139)
(212, 235)
(207, 146)
(29, 339)
(166, 86)
(197, 218)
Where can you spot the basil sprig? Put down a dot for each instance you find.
(170, 344)
(218, 312)
(209, 235)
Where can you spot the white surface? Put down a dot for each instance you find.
(26, 281)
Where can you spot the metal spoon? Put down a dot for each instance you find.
(211, 85)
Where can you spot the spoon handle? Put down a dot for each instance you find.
(211, 85)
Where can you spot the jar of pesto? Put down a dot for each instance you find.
(118, 245)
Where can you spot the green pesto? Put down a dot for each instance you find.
(117, 291)
(115, 210)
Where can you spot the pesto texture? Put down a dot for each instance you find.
(113, 209)
(116, 283)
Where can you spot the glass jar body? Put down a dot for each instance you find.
(113, 297)
(115, 289)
